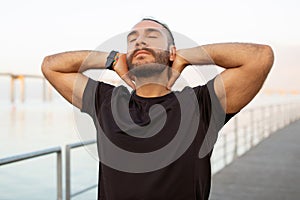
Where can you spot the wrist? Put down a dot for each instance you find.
(196, 56)
(181, 54)
(116, 59)
(111, 60)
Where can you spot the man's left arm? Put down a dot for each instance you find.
(246, 68)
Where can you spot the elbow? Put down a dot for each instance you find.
(45, 66)
(264, 60)
(268, 55)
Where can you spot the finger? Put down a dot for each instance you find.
(128, 81)
(173, 78)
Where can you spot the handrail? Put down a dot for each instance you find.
(250, 127)
(16, 158)
(68, 168)
(25, 156)
(80, 144)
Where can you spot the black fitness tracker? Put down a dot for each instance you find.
(110, 60)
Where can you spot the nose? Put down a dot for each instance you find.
(140, 42)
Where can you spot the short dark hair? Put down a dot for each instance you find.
(171, 40)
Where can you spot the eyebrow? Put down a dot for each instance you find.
(131, 33)
(148, 30)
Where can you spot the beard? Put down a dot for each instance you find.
(150, 68)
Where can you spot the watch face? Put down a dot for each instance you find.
(110, 59)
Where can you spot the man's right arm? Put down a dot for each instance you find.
(64, 72)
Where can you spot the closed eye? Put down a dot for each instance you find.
(131, 37)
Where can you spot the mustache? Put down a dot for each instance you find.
(130, 57)
(161, 56)
(143, 49)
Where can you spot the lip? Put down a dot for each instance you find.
(141, 52)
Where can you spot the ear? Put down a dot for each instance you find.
(172, 50)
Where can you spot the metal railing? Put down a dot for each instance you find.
(68, 148)
(250, 127)
(26, 156)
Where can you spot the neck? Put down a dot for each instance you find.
(152, 90)
(152, 86)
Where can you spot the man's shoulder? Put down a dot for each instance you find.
(98, 86)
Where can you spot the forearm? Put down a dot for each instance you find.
(232, 55)
(226, 55)
(75, 61)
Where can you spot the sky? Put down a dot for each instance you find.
(32, 29)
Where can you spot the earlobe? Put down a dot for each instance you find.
(172, 53)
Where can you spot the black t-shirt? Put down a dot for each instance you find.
(154, 148)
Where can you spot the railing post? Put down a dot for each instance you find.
(270, 119)
(275, 118)
(225, 148)
(59, 176)
(252, 128)
(294, 110)
(285, 115)
(280, 111)
(68, 173)
(245, 134)
(69, 195)
(265, 124)
(289, 113)
(235, 137)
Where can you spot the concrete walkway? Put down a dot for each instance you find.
(269, 171)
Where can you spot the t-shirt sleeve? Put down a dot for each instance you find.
(210, 107)
(212, 115)
(216, 102)
(93, 96)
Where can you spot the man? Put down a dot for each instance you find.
(166, 136)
